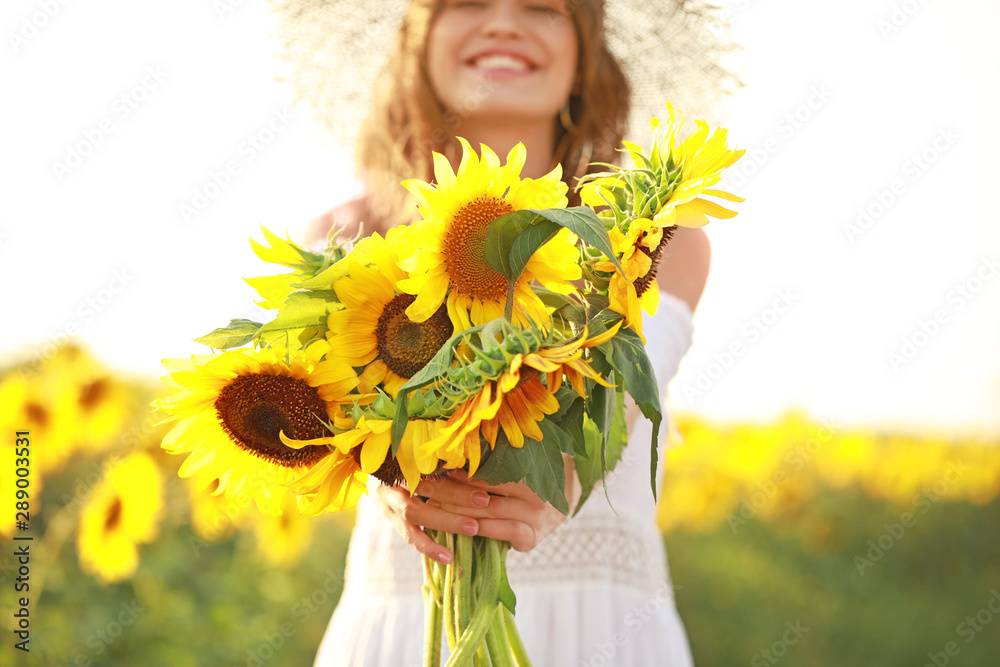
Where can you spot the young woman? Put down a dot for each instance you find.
(594, 589)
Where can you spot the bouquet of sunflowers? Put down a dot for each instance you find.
(497, 336)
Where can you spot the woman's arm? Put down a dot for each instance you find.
(684, 265)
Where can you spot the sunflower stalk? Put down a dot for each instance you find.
(486, 607)
(449, 595)
(498, 642)
(432, 614)
(514, 637)
(508, 309)
(463, 587)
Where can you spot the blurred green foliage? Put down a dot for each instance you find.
(193, 604)
(736, 590)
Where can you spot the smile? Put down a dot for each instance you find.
(499, 61)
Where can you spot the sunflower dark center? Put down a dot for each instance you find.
(253, 409)
(642, 283)
(464, 245)
(406, 346)
(92, 394)
(527, 375)
(389, 473)
(37, 414)
(114, 515)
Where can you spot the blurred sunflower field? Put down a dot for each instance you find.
(802, 541)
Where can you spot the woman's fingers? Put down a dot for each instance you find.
(454, 492)
(457, 504)
(408, 514)
(499, 507)
(520, 534)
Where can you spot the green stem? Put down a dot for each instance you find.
(449, 595)
(486, 608)
(464, 562)
(432, 615)
(516, 645)
(497, 641)
(432, 629)
(508, 309)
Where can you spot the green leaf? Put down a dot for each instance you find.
(600, 408)
(302, 309)
(602, 355)
(555, 300)
(500, 238)
(618, 435)
(527, 242)
(597, 459)
(566, 397)
(325, 278)
(512, 239)
(631, 361)
(238, 333)
(554, 436)
(571, 422)
(506, 594)
(504, 463)
(547, 472)
(583, 222)
(589, 468)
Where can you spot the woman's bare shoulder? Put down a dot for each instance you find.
(684, 265)
(346, 217)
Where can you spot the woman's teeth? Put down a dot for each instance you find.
(501, 62)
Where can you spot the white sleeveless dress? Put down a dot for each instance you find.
(594, 593)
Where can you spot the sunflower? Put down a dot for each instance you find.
(44, 403)
(639, 252)
(373, 330)
(335, 483)
(282, 540)
(106, 405)
(517, 401)
(667, 185)
(450, 265)
(213, 516)
(231, 409)
(122, 513)
(364, 450)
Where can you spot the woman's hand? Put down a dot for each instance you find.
(457, 504)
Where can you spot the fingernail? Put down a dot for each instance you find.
(470, 527)
(444, 557)
(433, 503)
(480, 498)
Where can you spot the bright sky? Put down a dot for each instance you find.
(883, 107)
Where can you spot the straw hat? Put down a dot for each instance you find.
(333, 51)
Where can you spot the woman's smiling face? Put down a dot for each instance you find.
(509, 59)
